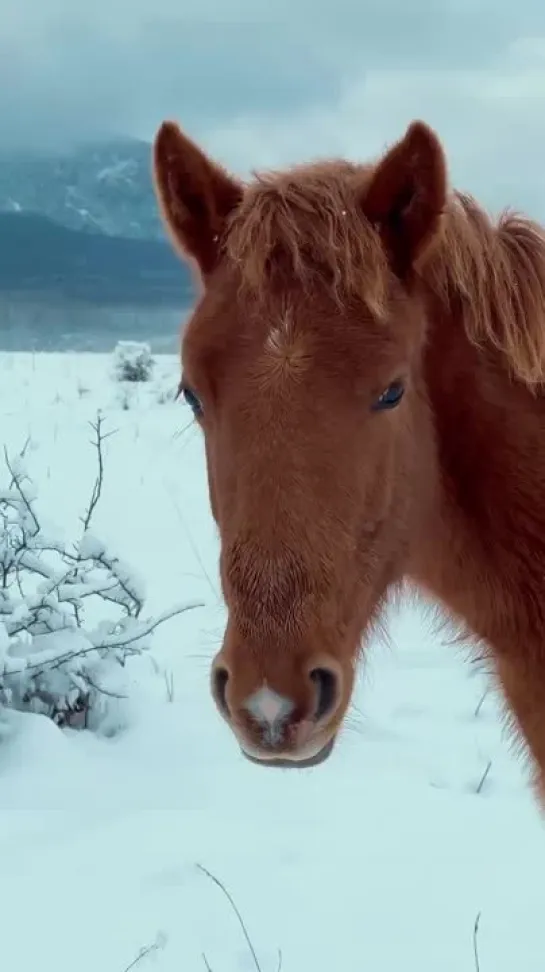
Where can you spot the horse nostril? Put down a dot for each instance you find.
(327, 691)
(220, 677)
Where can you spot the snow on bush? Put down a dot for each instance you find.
(70, 615)
(133, 361)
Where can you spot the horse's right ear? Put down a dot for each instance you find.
(195, 196)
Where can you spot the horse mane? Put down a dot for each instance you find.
(497, 272)
(308, 224)
(305, 224)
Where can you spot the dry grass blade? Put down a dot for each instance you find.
(476, 942)
(222, 888)
(483, 779)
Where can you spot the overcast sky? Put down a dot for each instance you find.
(264, 82)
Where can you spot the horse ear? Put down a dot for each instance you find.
(195, 196)
(406, 196)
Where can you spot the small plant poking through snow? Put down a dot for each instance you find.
(70, 615)
(133, 361)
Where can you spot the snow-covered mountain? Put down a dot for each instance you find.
(101, 187)
(81, 229)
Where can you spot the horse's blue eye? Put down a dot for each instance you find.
(390, 397)
(193, 401)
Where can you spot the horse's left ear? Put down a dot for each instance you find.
(406, 196)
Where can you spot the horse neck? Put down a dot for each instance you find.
(490, 460)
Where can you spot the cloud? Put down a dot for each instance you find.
(488, 118)
(263, 83)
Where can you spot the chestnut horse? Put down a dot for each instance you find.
(366, 361)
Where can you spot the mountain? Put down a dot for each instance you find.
(84, 259)
(41, 257)
(100, 187)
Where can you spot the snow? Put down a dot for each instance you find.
(380, 860)
(122, 170)
(13, 206)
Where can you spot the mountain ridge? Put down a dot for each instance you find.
(39, 255)
(84, 226)
(103, 186)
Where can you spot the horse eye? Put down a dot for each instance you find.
(193, 401)
(390, 397)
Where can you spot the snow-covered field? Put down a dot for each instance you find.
(378, 861)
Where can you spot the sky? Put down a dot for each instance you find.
(269, 82)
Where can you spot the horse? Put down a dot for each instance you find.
(366, 360)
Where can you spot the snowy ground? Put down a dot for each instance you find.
(378, 861)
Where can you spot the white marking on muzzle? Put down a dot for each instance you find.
(270, 710)
(268, 707)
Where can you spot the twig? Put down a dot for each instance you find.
(146, 627)
(103, 691)
(222, 888)
(58, 603)
(111, 564)
(97, 487)
(206, 963)
(41, 605)
(113, 641)
(21, 456)
(476, 942)
(17, 483)
(143, 953)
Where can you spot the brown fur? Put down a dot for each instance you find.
(323, 285)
